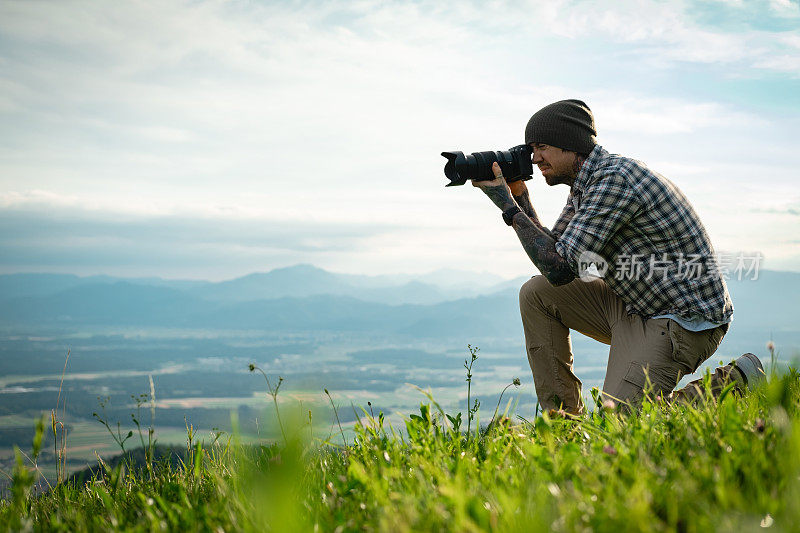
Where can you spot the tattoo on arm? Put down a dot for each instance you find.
(537, 241)
(524, 203)
(500, 196)
(541, 248)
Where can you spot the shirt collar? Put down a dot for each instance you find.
(589, 166)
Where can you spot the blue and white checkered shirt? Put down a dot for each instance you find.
(660, 258)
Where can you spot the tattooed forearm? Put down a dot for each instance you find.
(524, 202)
(500, 195)
(541, 248)
(537, 241)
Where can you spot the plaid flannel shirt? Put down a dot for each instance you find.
(660, 259)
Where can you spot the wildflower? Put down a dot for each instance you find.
(252, 367)
(503, 421)
(517, 382)
(770, 346)
(760, 426)
(610, 450)
(609, 404)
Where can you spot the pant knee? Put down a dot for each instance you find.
(530, 289)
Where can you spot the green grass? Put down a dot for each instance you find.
(726, 465)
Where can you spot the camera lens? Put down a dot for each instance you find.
(515, 164)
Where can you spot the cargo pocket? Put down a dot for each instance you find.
(691, 348)
(662, 380)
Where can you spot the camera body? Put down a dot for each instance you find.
(515, 163)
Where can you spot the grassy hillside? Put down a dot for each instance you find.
(732, 464)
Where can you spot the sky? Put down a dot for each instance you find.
(212, 139)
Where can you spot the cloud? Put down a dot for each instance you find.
(667, 116)
(227, 132)
(785, 63)
(793, 211)
(785, 8)
(62, 239)
(677, 32)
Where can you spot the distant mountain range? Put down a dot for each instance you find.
(304, 298)
(297, 281)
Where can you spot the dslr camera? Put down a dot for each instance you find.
(515, 163)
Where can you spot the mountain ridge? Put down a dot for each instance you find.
(294, 281)
(760, 306)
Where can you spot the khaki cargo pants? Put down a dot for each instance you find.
(645, 354)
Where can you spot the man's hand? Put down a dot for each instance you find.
(518, 188)
(496, 182)
(497, 189)
(537, 241)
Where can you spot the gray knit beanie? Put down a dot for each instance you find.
(568, 124)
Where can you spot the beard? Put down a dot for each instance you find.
(559, 179)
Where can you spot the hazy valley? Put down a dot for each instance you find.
(365, 339)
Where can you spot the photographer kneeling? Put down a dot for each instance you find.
(661, 303)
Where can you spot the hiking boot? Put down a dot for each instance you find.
(749, 367)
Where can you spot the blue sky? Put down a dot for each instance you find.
(212, 139)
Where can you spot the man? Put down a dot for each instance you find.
(662, 304)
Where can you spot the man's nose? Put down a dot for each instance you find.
(536, 157)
